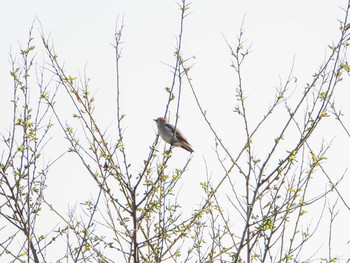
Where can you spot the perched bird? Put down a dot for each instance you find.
(166, 131)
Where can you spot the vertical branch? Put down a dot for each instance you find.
(239, 58)
(177, 68)
(118, 50)
(25, 154)
(333, 215)
(134, 249)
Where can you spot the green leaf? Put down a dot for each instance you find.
(21, 149)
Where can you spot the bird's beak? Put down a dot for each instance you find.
(155, 119)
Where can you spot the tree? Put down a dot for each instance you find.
(255, 212)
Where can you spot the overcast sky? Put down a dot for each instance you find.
(279, 33)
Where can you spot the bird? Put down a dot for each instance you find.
(166, 131)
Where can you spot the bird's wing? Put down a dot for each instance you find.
(179, 135)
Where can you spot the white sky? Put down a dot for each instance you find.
(83, 30)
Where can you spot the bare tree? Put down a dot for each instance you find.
(256, 212)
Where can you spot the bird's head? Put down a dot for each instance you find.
(161, 121)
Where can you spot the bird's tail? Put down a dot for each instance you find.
(187, 147)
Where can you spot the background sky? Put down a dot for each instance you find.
(82, 32)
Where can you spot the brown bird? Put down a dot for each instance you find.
(167, 130)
